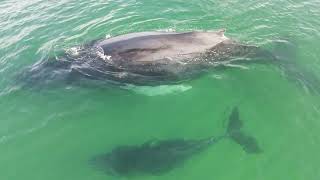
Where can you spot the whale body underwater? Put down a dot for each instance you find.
(157, 157)
(143, 58)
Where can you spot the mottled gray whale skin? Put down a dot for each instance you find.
(144, 58)
(158, 157)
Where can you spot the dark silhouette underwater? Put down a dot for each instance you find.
(160, 156)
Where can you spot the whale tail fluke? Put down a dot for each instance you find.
(235, 132)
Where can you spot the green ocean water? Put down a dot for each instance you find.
(52, 133)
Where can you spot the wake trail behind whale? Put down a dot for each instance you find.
(285, 53)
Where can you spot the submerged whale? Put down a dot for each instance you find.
(144, 58)
(158, 157)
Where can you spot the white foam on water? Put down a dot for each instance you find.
(170, 30)
(237, 66)
(108, 36)
(217, 76)
(158, 90)
(74, 51)
(9, 90)
(167, 30)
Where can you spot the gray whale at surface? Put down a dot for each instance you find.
(144, 58)
(158, 157)
(154, 58)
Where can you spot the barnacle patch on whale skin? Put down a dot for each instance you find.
(102, 55)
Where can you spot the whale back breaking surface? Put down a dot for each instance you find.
(145, 58)
(148, 47)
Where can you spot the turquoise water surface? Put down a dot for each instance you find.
(52, 133)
